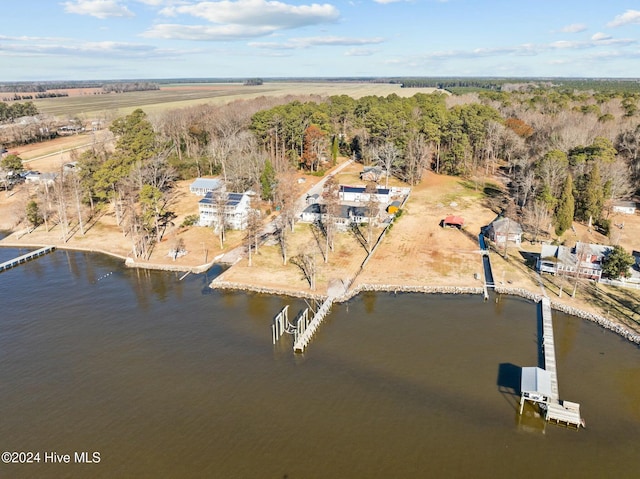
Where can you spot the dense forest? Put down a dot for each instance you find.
(559, 154)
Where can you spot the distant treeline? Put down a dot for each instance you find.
(466, 85)
(129, 86)
(43, 89)
(47, 94)
(452, 83)
(253, 82)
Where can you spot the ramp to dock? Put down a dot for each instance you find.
(25, 257)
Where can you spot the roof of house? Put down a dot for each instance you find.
(625, 204)
(361, 189)
(593, 254)
(506, 226)
(206, 183)
(346, 211)
(232, 199)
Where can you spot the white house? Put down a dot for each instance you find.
(583, 260)
(235, 210)
(504, 229)
(40, 178)
(347, 214)
(625, 207)
(359, 194)
(202, 186)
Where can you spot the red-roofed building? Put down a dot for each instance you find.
(453, 222)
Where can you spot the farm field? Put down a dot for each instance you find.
(110, 106)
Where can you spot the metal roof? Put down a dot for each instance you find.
(361, 189)
(536, 380)
(206, 183)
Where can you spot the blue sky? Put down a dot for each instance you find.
(128, 39)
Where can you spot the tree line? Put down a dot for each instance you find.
(559, 160)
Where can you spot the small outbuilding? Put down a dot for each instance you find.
(393, 207)
(625, 207)
(452, 221)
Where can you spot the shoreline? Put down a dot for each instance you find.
(600, 320)
(127, 260)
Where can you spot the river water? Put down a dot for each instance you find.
(167, 378)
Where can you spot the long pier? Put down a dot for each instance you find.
(303, 339)
(541, 385)
(549, 348)
(25, 257)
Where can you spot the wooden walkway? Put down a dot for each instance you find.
(304, 338)
(559, 412)
(549, 348)
(25, 257)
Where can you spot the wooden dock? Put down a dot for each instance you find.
(25, 257)
(304, 338)
(549, 348)
(541, 385)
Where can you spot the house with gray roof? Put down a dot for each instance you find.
(232, 208)
(504, 229)
(202, 186)
(583, 260)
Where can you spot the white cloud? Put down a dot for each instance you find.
(600, 36)
(574, 28)
(44, 46)
(206, 32)
(359, 52)
(628, 17)
(258, 12)
(240, 19)
(526, 49)
(298, 43)
(98, 8)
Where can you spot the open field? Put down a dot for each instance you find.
(110, 106)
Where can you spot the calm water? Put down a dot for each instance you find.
(166, 378)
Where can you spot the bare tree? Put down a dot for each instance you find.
(373, 210)
(307, 264)
(538, 218)
(417, 159)
(330, 195)
(254, 226)
(387, 156)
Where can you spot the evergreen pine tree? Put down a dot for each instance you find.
(593, 195)
(566, 207)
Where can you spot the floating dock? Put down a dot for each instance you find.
(25, 257)
(540, 385)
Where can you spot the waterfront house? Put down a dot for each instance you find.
(232, 208)
(202, 186)
(347, 215)
(583, 260)
(359, 194)
(504, 229)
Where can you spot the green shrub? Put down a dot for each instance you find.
(190, 220)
